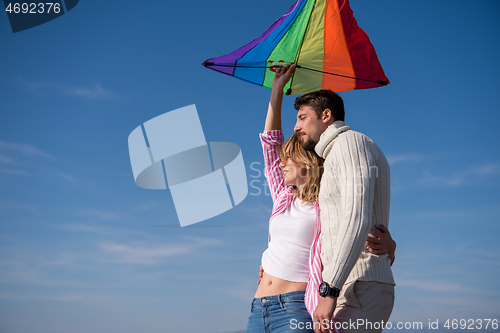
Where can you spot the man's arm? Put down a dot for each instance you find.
(353, 164)
(355, 167)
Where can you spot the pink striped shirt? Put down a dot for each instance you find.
(282, 196)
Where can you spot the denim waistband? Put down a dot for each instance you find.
(280, 298)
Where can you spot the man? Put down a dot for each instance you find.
(358, 288)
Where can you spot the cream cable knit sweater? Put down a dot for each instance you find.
(354, 197)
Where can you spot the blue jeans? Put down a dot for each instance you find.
(279, 314)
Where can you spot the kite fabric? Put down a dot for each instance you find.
(322, 38)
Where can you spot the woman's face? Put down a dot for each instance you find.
(294, 173)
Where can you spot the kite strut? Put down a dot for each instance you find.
(381, 82)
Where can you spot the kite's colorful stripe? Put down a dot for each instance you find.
(322, 37)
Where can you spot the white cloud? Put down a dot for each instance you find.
(7, 160)
(21, 270)
(66, 298)
(18, 155)
(444, 177)
(142, 254)
(95, 91)
(147, 206)
(102, 230)
(87, 228)
(244, 290)
(70, 179)
(153, 254)
(64, 259)
(15, 172)
(401, 158)
(25, 149)
(485, 170)
(10, 206)
(467, 176)
(435, 286)
(101, 214)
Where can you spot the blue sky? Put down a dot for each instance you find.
(83, 249)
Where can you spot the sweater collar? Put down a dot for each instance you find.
(326, 139)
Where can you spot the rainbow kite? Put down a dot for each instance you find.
(322, 38)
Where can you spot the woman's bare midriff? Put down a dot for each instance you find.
(271, 285)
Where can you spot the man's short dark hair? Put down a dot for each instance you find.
(320, 100)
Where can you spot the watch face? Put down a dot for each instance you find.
(322, 288)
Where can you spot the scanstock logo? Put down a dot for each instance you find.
(205, 179)
(31, 13)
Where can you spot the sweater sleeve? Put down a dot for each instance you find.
(271, 146)
(352, 164)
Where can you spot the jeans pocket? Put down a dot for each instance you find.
(251, 307)
(297, 307)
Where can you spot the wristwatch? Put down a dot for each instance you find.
(326, 290)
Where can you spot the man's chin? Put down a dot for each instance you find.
(309, 145)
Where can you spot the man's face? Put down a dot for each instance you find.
(309, 127)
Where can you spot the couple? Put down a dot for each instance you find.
(321, 263)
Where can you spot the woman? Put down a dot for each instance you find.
(291, 263)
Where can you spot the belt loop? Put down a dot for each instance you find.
(282, 302)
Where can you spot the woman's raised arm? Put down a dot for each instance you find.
(273, 118)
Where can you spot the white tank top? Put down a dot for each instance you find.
(292, 233)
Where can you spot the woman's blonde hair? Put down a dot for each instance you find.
(293, 149)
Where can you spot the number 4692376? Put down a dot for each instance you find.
(33, 8)
(471, 324)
